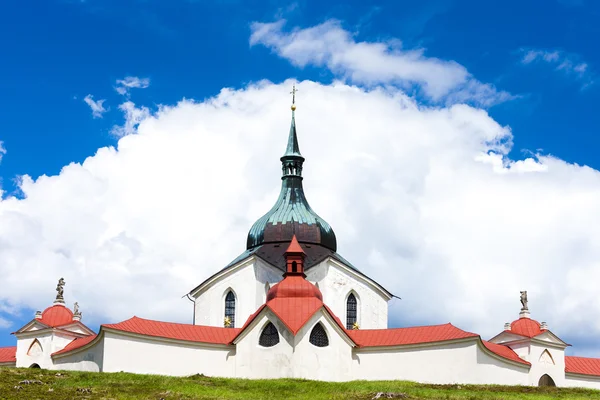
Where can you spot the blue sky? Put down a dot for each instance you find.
(542, 55)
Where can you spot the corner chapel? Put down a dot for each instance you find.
(290, 306)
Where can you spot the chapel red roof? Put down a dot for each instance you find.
(171, 330)
(582, 365)
(56, 315)
(294, 287)
(411, 335)
(504, 351)
(526, 327)
(75, 344)
(294, 247)
(8, 354)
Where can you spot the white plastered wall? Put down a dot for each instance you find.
(337, 282)
(146, 355)
(248, 281)
(88, 359)
(49, 342)
(576, 380)
(452, 362)
(546, 359)
(293, 357)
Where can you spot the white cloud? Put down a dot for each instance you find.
(372, 63)
(131, 82)
(423, 200)
(569, 64)
(2, 150)
(133, 116)
(96, 106)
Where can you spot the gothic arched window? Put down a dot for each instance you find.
(269, 336)
(230, 310)
(351, 311)
(318, 336)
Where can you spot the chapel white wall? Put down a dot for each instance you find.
(293, 357)
(458, 362)
(49, 341)
(576, 380)
(336, 283)
(249, 284)
(144, 355)
(89, 359)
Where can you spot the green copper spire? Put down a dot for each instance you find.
(291, 215)
(292, 147)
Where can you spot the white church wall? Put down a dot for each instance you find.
(37, 348)
(89, 359)
(248, 283)
(583, 381)
(293, 357)
(457, 362)
(337, 282)
(145, 355)
(546, 359)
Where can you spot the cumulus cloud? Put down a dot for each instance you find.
(124, 86)
(97, 106)
(423, 199)
(371, 63)
(569, 64)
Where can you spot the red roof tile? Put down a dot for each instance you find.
(294, 312)
(504, 351)
(526, 327)
(56, 315)
(404, 336)
(8, 354)
(294, 286)
(171, 330)
(75, 344)
(582, 365)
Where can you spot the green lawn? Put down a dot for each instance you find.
(82, 385)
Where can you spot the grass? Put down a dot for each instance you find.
(16, 383)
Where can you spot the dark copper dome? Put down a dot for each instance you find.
(291, 215)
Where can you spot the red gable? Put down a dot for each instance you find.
(8, 354)
(171, 330)
(504, 351)
(582, 365)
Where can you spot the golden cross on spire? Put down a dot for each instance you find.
(293, 93)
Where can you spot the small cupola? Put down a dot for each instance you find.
(294, 259)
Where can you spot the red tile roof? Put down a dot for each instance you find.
(8, 354)
(404, 336)
(75, 344)
(582, 365)
(526, 327)
(504, 351)
(294, 312)
(294, 286)
(171, 330)
(56, 315)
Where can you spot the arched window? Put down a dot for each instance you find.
(294, 266)
(269, 336)
(318, 336)
(230, 310)
(546, 380)
(351, 311)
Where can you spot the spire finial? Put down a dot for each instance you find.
(293, 93)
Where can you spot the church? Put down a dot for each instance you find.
(290, 306)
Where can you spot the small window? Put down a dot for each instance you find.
(351, 311)
(269, 336)
(294, 266)
(318, 336)
(230, 310)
